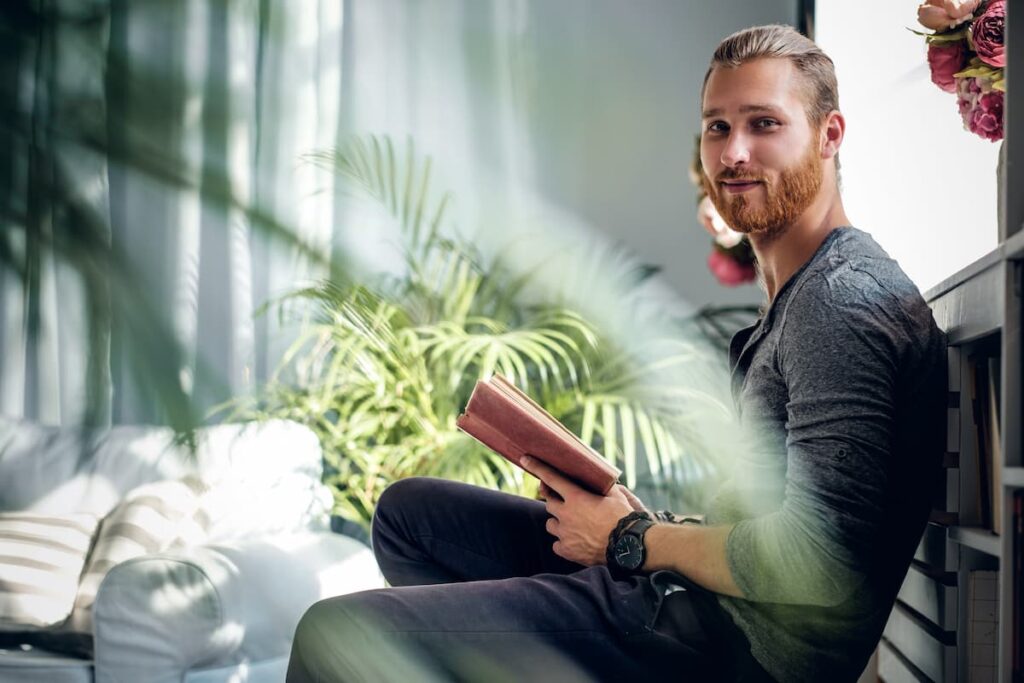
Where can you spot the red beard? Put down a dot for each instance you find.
(796, 189)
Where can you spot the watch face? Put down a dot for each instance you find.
(629, 552)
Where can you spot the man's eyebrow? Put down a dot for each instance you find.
(745, 109)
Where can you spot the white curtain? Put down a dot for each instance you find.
(207, 107)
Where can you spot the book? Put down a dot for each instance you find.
(979, 394)
(996, 442)
(503, 418)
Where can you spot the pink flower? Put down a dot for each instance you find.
(941, 15)
(945, 59)
(987, 117)
(981, 107)
(987, 34)
(728, 271)
(712, 221)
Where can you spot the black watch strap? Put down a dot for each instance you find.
(636, 524)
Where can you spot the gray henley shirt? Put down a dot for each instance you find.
(844, 380)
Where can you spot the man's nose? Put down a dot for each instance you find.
(736, 151)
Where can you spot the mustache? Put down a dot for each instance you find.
(743, 176)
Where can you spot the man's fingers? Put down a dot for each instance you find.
(555, 480)
(552, 526)
(547, 493)
(554, 505)
(635, 502)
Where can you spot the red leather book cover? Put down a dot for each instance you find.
(511, 424)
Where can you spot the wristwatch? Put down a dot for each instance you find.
(626, 551)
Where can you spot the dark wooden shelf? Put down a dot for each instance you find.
(979, 539)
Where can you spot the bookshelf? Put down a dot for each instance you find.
(958, 616)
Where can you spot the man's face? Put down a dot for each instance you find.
(762, 162)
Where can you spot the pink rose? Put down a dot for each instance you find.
(712, 221)
(981, 108)
(987, 117)
(987, 34)
(728, 271)
(708, 216)
(945, 59)
(941, 15)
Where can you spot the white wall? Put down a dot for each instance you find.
(614, 115)
(912, 176)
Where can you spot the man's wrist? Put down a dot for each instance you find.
(614, 547)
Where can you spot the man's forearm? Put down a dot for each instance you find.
(696, 552)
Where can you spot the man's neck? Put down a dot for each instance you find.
(780, 256)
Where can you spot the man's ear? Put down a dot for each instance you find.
(832, 132)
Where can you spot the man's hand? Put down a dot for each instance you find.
(580, 520)
(635, 502)
(544, 492)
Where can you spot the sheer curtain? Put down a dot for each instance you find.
(204, 108)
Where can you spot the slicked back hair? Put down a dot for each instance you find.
(821, 93)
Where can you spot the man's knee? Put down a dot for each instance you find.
(328, 636)
(398, 503)
(346, 639)
(310, 646)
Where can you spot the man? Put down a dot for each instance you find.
(793, 571)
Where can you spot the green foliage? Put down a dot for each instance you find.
(381, 372)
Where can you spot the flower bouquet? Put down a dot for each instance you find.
(966, 57)
(732, 259)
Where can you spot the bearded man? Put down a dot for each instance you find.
(792, 572)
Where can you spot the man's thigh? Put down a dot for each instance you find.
(428, 531)
(581, 626)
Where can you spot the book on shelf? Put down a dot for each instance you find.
(996, 441)
(978, 386)
(503, 418)
(984, 383)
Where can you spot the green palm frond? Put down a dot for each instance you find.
(542, 354)
(372, 164)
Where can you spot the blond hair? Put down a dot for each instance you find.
(821, 91)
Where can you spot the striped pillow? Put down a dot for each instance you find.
(41, 559)
(150, 519)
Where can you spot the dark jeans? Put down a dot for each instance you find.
(479, 595)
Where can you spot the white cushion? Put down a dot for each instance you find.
(41, 559)
(158, 616)
(151, 519)
(261, 477)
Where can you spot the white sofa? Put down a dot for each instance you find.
(224, 610)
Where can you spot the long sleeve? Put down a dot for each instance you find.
(838, 353)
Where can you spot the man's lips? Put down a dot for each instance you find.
(738, 186)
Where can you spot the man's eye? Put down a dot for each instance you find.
(717, 127)
(766, 123)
